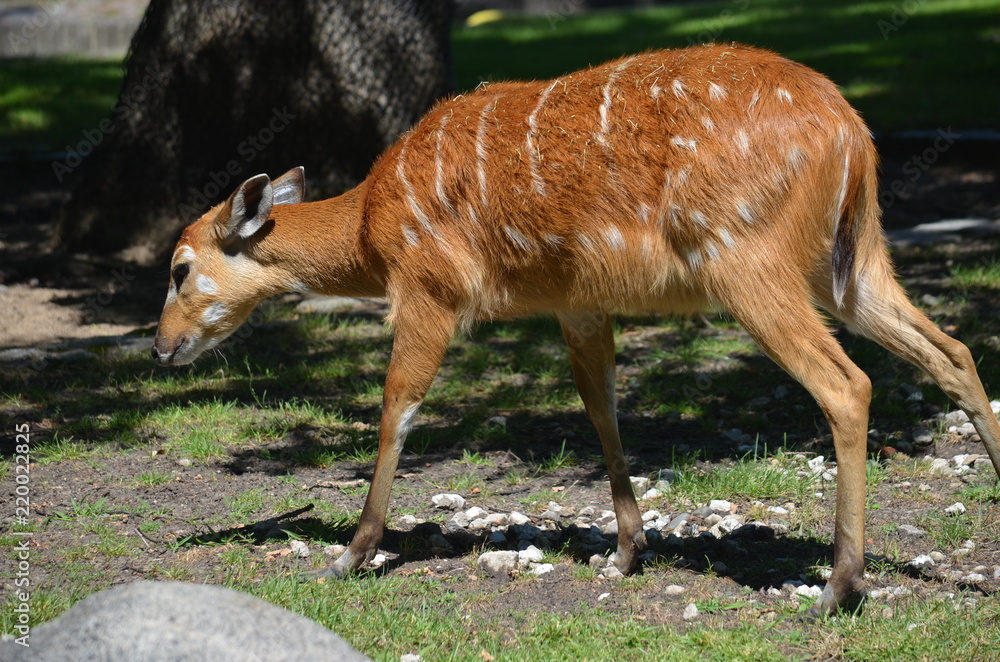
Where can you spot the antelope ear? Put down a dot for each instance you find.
(290, 188)
(249, 207)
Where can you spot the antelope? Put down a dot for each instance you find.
(720, 177)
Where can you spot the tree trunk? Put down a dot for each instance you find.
(216, 91)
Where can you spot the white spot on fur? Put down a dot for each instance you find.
(716, 92)
(698, 218)
(678, 87)
(726, 238)
(743, 142)
(693, 257)
(481, 148)
(684, 143)
(711, 250)
(206, 285)
(796, 157)
(643, 211)
(439, 168)
(534, 154)
(411, 196)
(746, 214)
(214, 314)
(405, 424)
(410, 235)
(654, 91)
(754, 99)
(614, 237)
(708, 123)
(605, 110)
(784, 95)
(519, 239)
(553, 240)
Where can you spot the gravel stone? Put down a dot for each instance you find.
(674, 589)
(910, 530)
(518, 519)
(542, 568)
(498, 564)
(720, 506)
(690, 612)
(448, 501)
(956, 508)
(531, 554)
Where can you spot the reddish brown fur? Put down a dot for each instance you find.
(671, 181)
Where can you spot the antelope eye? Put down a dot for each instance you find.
(180, 272)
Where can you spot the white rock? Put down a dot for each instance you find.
(937, 557)
(450, 501)
(378, 560)
(611, 572)
(650, 515)
(479, 524)
(542, 568)
(674, 589)
(530, 554)
(973, 577)
(720, 506)
(410, 657)
(690, 612)
(777, 510)
(920, 561)
(713, 519)
(816, 464)
(956, 508)
(498, 564)
(730, 524)
(995, 406)
(518, 519)
(475, 513)
(809, 591)
(652, 494)
(639, 483)
(603, 596)
(498, 519)
(408, 520)
(299, 548)
(940, 466)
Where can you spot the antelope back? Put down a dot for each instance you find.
(637, 185)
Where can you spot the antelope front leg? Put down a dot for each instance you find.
(422, 337)
(590, 339)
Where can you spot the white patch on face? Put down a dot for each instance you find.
(206, 285)
(743, 209)
(784, 95)
(185, 252)
(716, 92)
(171, 292)
(214, 314)
(405, 424)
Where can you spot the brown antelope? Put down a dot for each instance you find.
(711, 177)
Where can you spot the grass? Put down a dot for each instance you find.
(931, 70)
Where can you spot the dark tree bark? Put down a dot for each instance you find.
(216, 91)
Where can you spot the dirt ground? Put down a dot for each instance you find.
(48, 299)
